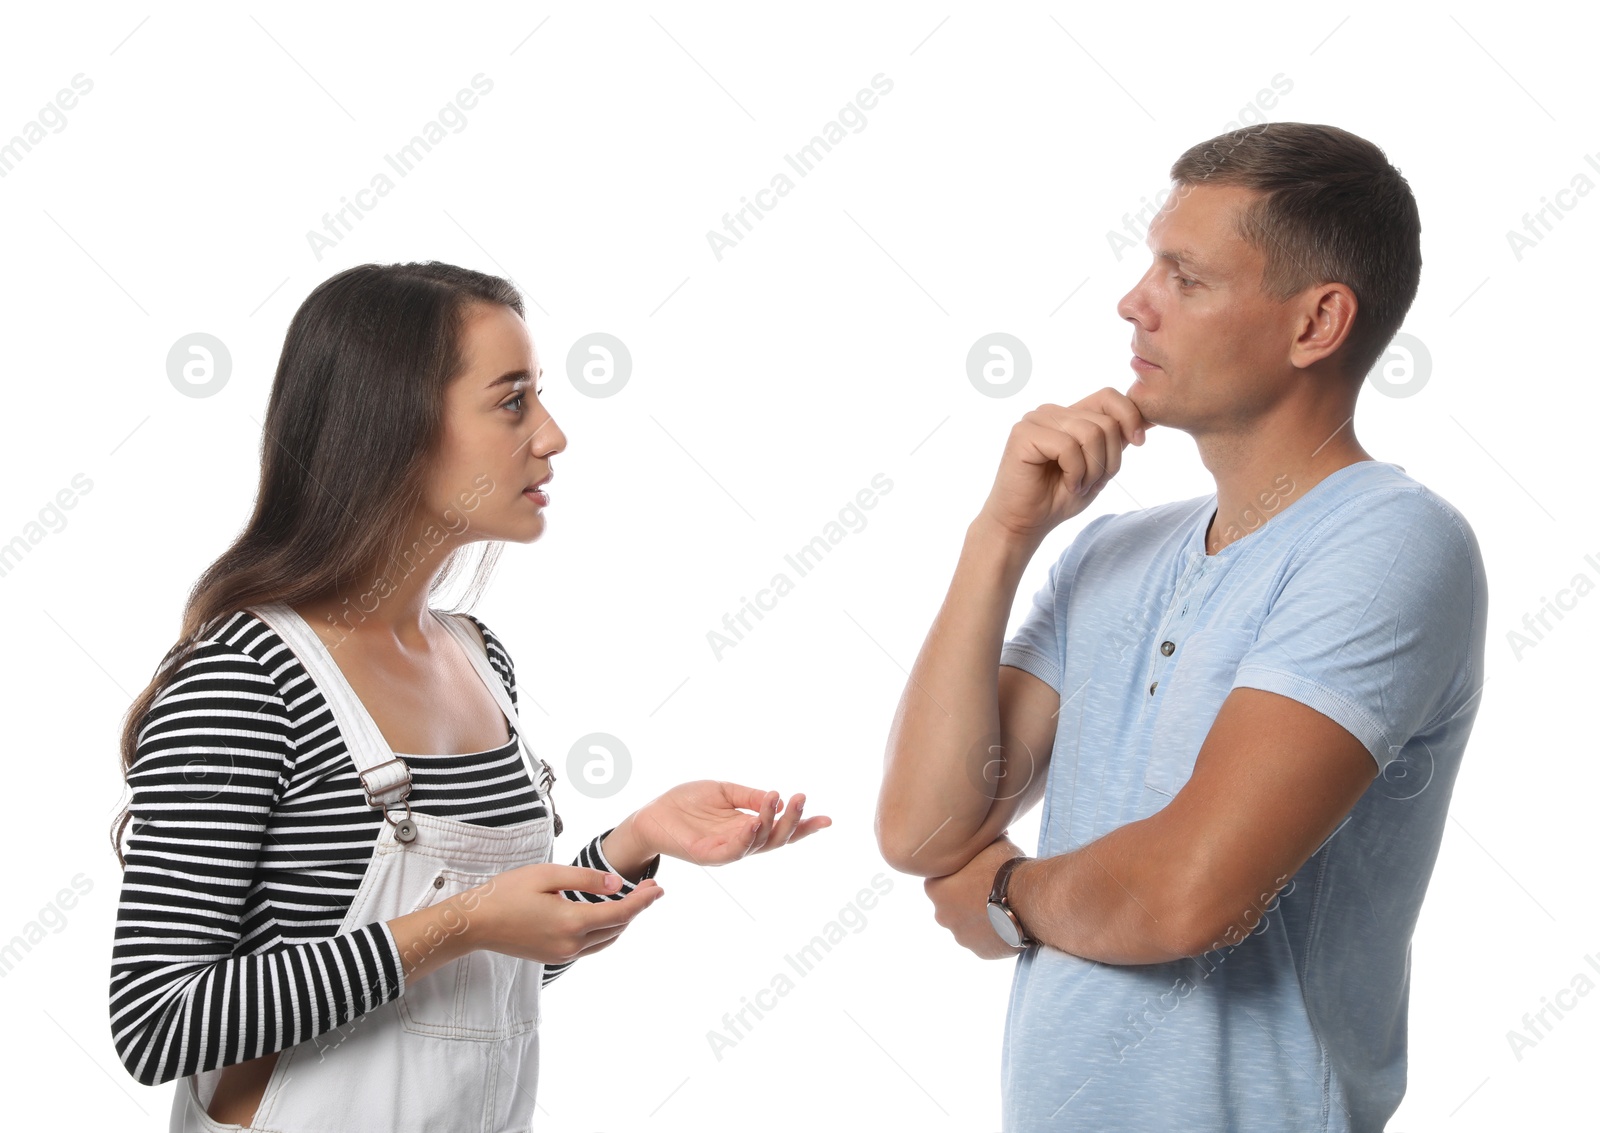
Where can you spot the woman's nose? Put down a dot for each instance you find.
(548, 438)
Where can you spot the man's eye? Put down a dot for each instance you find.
(1185, 282)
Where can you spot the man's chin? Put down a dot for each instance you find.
(1145, 399)
(1154, 408)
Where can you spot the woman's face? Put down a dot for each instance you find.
(498, 439)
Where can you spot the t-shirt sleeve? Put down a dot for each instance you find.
(1373, 625)
(1040, 641)
(1033, 648)
(214, 754)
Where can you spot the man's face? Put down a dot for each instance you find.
(1210, 349)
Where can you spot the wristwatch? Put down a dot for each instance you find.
(1002, 916)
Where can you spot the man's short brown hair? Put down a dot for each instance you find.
(1334, 211)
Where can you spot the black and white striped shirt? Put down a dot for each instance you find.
(249, 839)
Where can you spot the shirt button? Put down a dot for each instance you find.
(1166, 648)
(1153, 687)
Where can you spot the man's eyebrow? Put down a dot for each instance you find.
(512, 376)
(1185, 258)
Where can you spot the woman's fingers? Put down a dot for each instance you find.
(598, 943)
(762, 825)
(811, 826)
(749, 798)
(792, 827)
(783, 829)
(614, 916)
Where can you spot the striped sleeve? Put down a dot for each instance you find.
(591, 856)
(214, 755)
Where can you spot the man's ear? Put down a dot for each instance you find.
(1327, 315)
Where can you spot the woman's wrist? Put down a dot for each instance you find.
(434, 935)
(626, 849)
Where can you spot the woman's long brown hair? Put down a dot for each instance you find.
(354, 421)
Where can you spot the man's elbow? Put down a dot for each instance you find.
(911, 853)
(896, 852)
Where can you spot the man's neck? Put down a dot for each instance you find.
(1255, 486)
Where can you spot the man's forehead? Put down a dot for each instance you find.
(1196, 225)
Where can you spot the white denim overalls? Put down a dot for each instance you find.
(459, 1050)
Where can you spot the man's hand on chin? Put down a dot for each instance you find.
(961, 901)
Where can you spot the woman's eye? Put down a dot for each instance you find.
(520, 398)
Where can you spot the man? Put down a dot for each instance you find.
(1243, 713)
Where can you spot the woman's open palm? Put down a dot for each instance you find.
(709, 822)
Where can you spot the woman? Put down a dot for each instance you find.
(319, 929)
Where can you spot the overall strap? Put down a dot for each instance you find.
(542, 775)
(384, 776)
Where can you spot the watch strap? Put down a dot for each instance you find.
(1000, 892)
(1002, 880)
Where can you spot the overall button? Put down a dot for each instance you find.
(1166, 648)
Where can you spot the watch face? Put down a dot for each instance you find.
(1005, 928)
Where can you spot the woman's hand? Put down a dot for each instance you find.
(707, 822)
(521, 913)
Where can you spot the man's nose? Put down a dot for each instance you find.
(1136, 307)
(1132, 305)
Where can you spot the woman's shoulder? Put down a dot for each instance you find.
(242, 649)
(236, 667)
(241, 633)
(499, 656)
(491, 641)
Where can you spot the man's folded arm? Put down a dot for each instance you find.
(1273, 780)
(971, 739)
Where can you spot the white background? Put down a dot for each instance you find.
(767, 389)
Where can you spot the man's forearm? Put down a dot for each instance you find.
(1106, 901)
(932, 801)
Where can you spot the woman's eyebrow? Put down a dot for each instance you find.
(513, 376)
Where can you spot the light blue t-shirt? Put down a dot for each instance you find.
(1362, 596)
